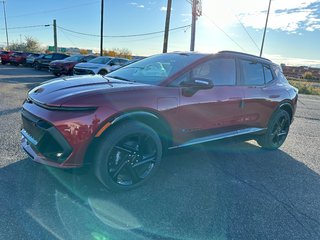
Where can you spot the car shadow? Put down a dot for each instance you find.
(209, 191)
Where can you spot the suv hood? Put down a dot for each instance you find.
(75, 89)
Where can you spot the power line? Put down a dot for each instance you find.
(123, 36)
(33, 26)
(216, 25)
(223, 31)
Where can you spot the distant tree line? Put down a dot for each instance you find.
(30, 44)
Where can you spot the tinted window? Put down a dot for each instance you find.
(268, 75)
(100, 60)
(221, 71)
(48, 56)
(59, 56)
(252, 73)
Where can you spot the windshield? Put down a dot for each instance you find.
(100, 60)
(155, 69)
(74, 58)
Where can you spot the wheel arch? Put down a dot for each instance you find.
(150, 118)
(286, 106)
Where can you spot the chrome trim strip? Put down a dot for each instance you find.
(220, 136)
(29, 137)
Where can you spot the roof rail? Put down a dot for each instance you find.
(245, 54)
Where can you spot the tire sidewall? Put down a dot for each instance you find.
(267, 140)
(109, 140)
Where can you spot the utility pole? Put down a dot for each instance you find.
(101, 29)
(265, 29)
(196, 12)
(5, 23)
(166, 30)
(55, 35)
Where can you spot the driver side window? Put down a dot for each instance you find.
(221, 71)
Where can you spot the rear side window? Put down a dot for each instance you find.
(252, 73)
(222, 71)
(267, 74)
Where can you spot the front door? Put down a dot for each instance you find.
(210, 111)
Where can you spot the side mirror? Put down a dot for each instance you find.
(111, 64)
(189, 88)
(198, 83)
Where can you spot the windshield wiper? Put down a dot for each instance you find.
(121, 78)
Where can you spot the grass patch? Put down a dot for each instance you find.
(306, 87)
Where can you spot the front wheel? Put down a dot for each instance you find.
(127, 156)
(277, 131)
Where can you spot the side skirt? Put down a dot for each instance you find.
(221, 136)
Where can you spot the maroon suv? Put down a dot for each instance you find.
(65, 66)
(124, 121)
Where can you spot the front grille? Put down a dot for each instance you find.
(79, 71)
(29, 125)
(44, 138)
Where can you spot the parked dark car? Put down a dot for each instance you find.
(5, 55)
(18, 58)
(65, 66)
(122, 123)
(45, 60)
(31, 58)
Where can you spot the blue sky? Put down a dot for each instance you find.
(293, 35)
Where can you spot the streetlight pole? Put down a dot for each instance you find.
(265, 29)
(193, 24)
(166, 31)
(5, 23)
(101, 29)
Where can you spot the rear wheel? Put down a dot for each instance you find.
(277, 131)
(127, 156)
(37, 66)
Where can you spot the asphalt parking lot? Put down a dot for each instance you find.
(210, 191)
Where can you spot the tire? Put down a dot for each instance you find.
(37, 66)
(3, 62)
(127, 156)
(57, 74)
(102, 72)
(277, 132)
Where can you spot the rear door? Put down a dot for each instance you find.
(261, 94)
(215, 110)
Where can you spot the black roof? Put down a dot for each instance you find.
(244, 54)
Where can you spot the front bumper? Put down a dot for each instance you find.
(43, 142)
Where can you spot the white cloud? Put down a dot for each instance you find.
(285, 15)
(294, 61)
(136, 5)
(164, 9)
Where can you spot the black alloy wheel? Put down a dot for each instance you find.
(277, 132)
(37, 66)
(128, 156)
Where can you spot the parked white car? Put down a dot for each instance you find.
(99, 65)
